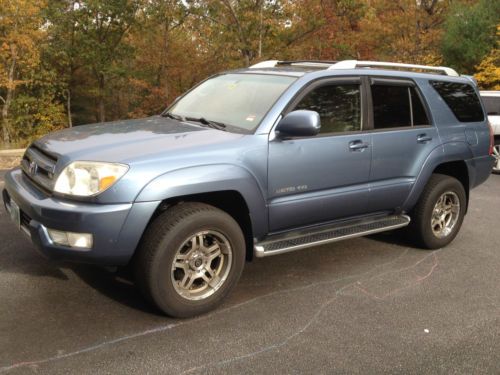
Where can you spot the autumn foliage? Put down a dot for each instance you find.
(69, 62)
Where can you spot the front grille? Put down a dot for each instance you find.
(39, 166)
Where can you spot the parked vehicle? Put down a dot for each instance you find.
(491, 101)
(255, 162)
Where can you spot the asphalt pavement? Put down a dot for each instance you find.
(368, 305)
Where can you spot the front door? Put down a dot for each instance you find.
(324, 177)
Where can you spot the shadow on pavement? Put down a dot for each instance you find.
(117, 286)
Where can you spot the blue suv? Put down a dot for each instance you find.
(277, 157)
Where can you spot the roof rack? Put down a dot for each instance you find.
(297, 63)
(353, 64)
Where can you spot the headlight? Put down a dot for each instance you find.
(86, 178)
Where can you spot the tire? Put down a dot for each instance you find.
(425, 226)
(496, 154)
(181, 242)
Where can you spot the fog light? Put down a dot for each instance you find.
(71, 239)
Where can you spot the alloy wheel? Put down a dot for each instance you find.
(201, 265)
(445, 214)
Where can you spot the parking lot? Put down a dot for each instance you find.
(368, 305)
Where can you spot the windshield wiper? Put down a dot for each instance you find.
(202, 120)
(175, 117)
(212, 124)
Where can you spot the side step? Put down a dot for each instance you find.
(280, 244)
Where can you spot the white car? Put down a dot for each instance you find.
(491, 100)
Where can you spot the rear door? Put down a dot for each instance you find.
(324, 177)
(402, 138)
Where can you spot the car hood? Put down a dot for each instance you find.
(130, 140)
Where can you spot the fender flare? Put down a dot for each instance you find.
(209, 179)
(445, 153)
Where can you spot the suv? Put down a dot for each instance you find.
(491, 101)
(255, 162)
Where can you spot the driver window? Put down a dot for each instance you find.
(339, 107)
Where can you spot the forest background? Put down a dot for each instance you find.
(65, 62)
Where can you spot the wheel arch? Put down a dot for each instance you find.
(228, 187)
(229, 201)
(451, 159)
(459, 170)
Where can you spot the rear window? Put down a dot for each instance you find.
(491, 105)
(462, 100)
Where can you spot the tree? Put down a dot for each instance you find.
(20, 32)
(101, 29)
(402, 30)
(470, 33)
(488, 71)
(62, 52)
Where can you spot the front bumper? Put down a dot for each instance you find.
(116, 228)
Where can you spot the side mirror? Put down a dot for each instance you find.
(301, 123)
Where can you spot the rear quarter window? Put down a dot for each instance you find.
(462, 99)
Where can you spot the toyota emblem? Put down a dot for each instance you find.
(33, 168)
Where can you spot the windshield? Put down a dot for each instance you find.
(235, 100)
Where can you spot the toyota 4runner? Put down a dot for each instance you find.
(277, 157)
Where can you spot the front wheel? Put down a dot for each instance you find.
(191, 257)
(439, 213)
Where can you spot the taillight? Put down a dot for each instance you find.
(492, 139)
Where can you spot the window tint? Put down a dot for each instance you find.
(418, 110)
(491, 104)
(339, 107)
(462, 100)
(391, 106)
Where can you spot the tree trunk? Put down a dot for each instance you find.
(68, 107)
(260, 29)
(8, 98)
(100, 100)
(246, 55)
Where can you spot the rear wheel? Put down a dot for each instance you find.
(439, 213)
(191, 257)
(496, 154)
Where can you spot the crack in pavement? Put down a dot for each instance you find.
(417, 280)
(163, 328)
(316, 315)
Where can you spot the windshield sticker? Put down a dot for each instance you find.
(250, 118)
(232, 85)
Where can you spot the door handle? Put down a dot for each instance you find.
(423, 138)
(358, 145)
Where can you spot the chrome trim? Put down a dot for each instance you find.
(260, 252)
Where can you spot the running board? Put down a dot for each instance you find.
(335, 232)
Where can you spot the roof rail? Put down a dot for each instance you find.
(297, 63)
(353, 64)
(265, 64)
